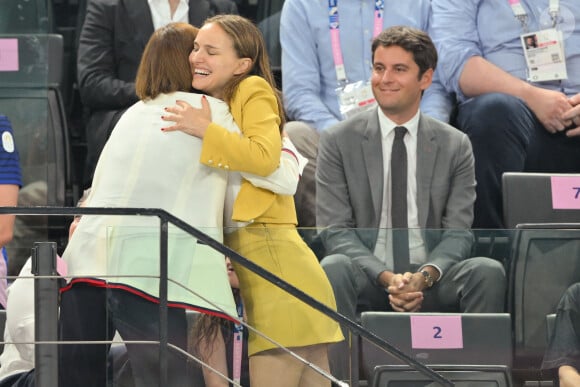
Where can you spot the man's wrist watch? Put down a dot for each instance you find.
(428, 279)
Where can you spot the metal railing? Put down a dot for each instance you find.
(165, 218)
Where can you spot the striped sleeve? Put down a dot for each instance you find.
(10, 172)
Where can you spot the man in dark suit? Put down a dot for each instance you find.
(356, 198)
(112, 40)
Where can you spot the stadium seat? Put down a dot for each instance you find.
(461, 376)
(484, 339)
(544, 263)
(30, 98)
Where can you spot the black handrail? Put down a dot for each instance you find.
(166, 218)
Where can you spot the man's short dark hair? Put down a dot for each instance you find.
(412, 40)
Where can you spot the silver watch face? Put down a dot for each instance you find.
(428, 278)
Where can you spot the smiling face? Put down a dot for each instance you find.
(396, 84)
(215, 61)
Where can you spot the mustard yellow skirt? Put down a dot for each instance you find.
(272, 311)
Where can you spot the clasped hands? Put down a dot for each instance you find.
(406, 292)
(188, 119)
(555, 111)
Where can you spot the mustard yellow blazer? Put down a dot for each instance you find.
(255, 110)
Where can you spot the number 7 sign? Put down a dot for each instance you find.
(565, 192)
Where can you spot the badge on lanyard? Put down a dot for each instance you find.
(353, 97)
(544, 49)
(544, 52)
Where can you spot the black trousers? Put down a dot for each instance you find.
(90, 313)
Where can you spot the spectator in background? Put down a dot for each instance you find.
(519, 116)
(310, 76)
(401, 244)
(563, 351)
(112, 40)
(10, 183)
(311, 73)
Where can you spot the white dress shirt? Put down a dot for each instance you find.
(161, 13)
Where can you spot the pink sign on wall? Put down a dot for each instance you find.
(566, 192)
(9, 54)
(436, 332)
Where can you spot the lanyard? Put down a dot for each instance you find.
(238, 345)
(521, 14)
(334, 27)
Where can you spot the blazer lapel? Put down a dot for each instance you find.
(373, 157)
(139, 15)
(427, 148)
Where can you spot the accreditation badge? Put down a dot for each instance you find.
(354, 98)
(544, 52)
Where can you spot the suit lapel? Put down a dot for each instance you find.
(373, 157)
(427, 148)
(139, 15)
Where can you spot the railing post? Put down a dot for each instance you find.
(46, 314)
(163, 325)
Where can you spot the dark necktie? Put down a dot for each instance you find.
(399, 202)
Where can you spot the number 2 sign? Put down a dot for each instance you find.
(436, 332)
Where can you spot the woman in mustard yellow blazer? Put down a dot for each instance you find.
(230, 62)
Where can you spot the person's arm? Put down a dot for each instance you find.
(213, 352)
(301, 76)
(99, 85)
(456, 239)
(480, 77)
(437, 101)
(8, 198)
(193, 113)
(284, 180)
(568, 376)
(11, 179)
(465, 71)
(258, 149)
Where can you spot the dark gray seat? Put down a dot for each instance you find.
(544, 263)
(31, 99)
(527, 198)
(461, 376)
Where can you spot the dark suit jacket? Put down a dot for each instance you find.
(350, 181)
(112, 40)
